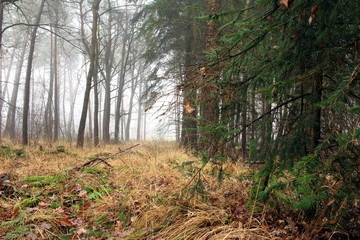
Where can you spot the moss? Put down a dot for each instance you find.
(28, 202)
(34, 178)
(39, 181)
(61, 149)
(94, 170)
(55, 205)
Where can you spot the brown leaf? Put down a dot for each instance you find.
(188, 108)
(296, 35)
(82, 193)
(80, 231)
(66, 222)
(45, 225)
(284, 3)
(43, 204)
(314, 10)
(119, 225)
(202, 71)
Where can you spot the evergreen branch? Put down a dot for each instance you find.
(243, 129)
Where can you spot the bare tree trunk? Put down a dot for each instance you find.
(134, 81)
(72, 105)
(5, 88)
(90, 125)
(244, 124)
(96, 99)
(56, 84)
(10, 121)
(125, 51)
(138, 129)
(25, 139)
(92, 70)
(48, 110)
(1, 63)
(109, 53)
(65, 129)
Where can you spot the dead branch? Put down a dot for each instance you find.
(97, 161)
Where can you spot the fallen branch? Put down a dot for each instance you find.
(97, 161)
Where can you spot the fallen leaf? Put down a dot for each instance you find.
(43, 204)
(80, 231)
(82, 193)
(284, 3)
(119, 225)
(188, 108)
(45, 225)
(66, 222)
(202, 71)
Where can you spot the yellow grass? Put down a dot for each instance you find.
(151, 190)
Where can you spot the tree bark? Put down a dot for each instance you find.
(209, 100)
(1, 62)
(189, 112)
(25, 138)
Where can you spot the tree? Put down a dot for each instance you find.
(91, 72)
(25, 139)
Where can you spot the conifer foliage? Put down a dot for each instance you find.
(285, 76)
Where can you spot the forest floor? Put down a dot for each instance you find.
(47, 193)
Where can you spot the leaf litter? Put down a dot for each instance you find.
(141, 197)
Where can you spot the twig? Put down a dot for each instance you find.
(103, 160)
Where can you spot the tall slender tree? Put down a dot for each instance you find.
(25, 137)
(91, 72)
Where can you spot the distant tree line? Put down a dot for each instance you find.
(51, 50)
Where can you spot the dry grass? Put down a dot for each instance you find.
(146, 200)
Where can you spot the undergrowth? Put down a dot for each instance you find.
(146, 195)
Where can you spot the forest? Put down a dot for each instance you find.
(179, 119)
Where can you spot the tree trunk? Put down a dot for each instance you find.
(189, 112)
(25, 139)
(56, 85)
(209, 100)
(244, 124)
(125, 51)
(92, 70)
(139, 120)
(109, 53)
(96, 100)
(1, 63)
(48, 110)
(316, 99)
(134, 81)
(10, 121)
